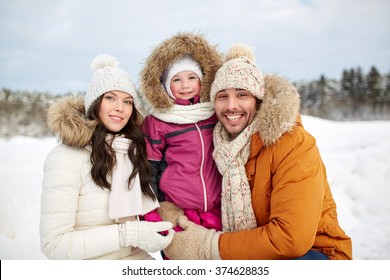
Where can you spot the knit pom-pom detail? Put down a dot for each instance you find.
(104, 60)
(240, 50)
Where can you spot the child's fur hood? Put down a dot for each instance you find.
(151, 89)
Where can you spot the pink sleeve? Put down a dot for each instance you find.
(152, 216)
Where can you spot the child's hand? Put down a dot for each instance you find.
(169, 212)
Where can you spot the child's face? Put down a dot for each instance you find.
(185, 85)
(116, 109)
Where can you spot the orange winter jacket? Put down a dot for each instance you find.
(292, 202)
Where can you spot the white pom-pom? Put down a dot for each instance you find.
(240, 50)
(104, 60)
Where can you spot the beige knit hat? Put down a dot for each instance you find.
(107, 76)
(239, 71)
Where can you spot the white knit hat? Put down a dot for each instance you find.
(107, 77)
(239, 71)
(185, 63)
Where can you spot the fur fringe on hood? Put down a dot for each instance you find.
(279, 109)
(66, 119)
(151, 88)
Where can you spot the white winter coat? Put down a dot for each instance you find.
(74, 210)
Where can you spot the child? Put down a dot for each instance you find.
(175, 86)
(96, 183)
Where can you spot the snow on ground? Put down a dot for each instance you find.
(356, 154)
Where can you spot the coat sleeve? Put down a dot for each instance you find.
(294, 189)
(61, 184)
(158, 168)
(155, 149)
(155, 138)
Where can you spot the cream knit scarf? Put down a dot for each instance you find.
(231, 157)
(125, 201)
(186, 114)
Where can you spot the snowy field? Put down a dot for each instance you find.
(356, 154)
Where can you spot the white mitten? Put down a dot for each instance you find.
(145, 235)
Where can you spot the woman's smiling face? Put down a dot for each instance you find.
(115, 110)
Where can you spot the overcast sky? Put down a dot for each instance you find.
(48, 45)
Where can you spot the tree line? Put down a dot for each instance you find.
(355, 96)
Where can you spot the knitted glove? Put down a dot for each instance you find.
(169, 212)
(194, 243)
(145, 235)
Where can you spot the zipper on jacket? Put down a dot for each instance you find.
(201, 169)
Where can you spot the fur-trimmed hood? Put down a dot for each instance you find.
(279, 109)
(151, 89)
(66, 119)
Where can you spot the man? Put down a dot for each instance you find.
(276, 201)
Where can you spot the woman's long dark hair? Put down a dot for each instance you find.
(103, 155)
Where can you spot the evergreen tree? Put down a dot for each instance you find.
(346, 84)
(359, 87)
(386, 91)
(373, 84)
(322, 97)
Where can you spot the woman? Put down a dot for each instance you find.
(96, 182)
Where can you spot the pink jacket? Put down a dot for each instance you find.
(191, 179)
